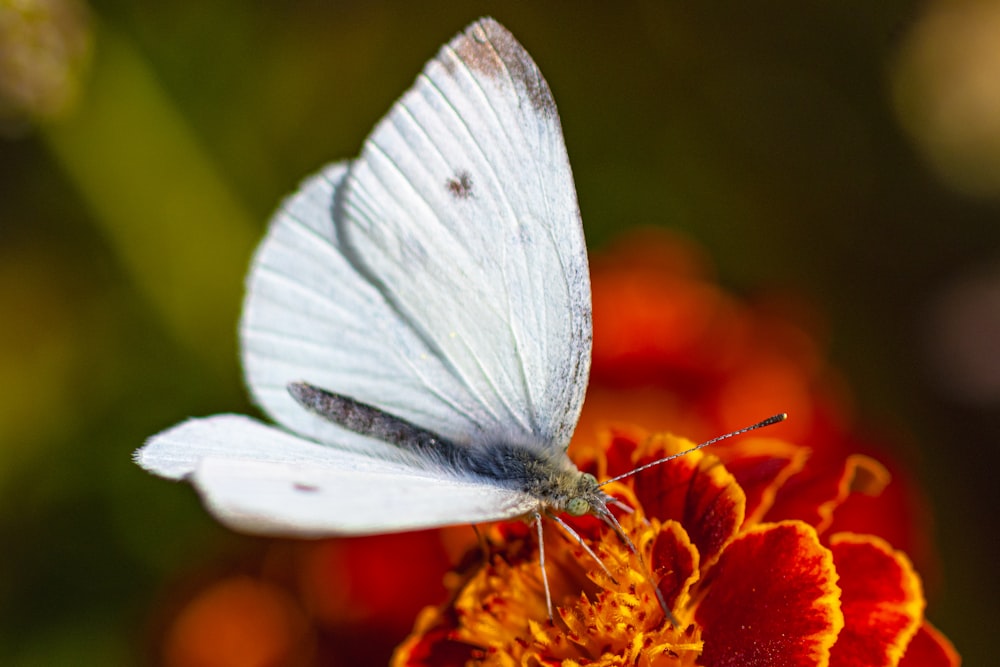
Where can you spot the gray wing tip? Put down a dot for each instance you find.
(488, 25)
(485, 45)
(488, 48)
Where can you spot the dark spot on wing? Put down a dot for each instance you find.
(306, 488)
(489, 48)
(460, 187)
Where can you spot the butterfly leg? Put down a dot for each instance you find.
(612, 522)
(579, 539)
(484, 547)
(541, 563)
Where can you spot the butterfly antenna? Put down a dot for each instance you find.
(622, 506)
(761, 424)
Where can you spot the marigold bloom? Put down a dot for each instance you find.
(744, 590)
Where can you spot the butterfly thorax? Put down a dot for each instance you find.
(553, 479)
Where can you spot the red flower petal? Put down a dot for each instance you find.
(815, 493)
(882, 601)
(348, 580)
(930, 648)
(761, 466)
(609, 454)
(697, 491)
(773, 600)
(432, 643)
(675, 561)
(900, 514)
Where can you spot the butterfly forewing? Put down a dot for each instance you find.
(462, 210)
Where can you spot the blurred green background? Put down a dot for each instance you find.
(848, 152)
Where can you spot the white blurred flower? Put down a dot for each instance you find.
(45, 48)
(963, 338)
(946, 88)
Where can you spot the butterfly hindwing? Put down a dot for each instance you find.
(259, 479)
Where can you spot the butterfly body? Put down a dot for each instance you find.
(549, 476)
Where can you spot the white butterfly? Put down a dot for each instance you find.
(431, 296)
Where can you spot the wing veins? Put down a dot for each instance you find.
(487, 103)
(533, 426)
(302, 289)
(418, 330)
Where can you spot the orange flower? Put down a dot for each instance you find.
(327, 602)
(744, 591)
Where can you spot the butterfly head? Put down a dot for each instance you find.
(580, 494)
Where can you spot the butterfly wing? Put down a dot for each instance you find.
(258, 479)
(442, 276)
(309, 315)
